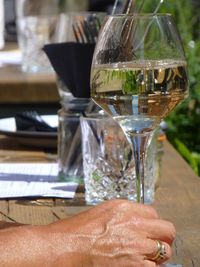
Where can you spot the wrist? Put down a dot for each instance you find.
(27, 244)
(69, 248)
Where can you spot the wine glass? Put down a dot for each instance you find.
(138, 76)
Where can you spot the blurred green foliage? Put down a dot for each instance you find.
(184, 123)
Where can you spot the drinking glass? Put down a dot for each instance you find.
(108, 165)
(139, 75)
(36, 26)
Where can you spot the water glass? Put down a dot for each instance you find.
(36, 26)
(108, 165)
(79, 31)
(69, 144)
(107, 162)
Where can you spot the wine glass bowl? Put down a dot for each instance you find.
(138, 76)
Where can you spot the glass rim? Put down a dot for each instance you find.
(95, 116)
(141, 15)
(83, 12)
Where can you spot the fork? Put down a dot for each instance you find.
(86, 30)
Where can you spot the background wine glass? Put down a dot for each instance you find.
(139, 75)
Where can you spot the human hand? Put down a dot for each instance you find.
(116, 233)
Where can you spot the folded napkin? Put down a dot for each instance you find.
(72, 63)
(32, 121)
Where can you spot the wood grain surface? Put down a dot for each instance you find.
(17, 87)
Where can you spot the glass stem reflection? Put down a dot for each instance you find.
(139, 144)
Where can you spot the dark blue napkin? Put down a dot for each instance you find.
(72, 63)
(32, 121)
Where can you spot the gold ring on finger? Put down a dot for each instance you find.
(160, 253)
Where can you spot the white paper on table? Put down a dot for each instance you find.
(33, 180)
(10, 57)
(39, 170)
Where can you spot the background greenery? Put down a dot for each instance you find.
(184, 123)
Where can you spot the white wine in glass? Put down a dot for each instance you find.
(156, 88)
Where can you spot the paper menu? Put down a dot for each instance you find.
(33, 180)
(36, 189)
(29, 171)
(10, 57)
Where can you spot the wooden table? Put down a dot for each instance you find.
(26, 92)
(21, 91)
(177, 199)
(19, 87)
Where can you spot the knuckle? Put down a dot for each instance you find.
(122, 203)
(152, 211)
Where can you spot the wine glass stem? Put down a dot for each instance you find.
(139, 143)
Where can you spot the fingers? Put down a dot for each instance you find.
(126, 209)
(154, 251)
(144, 263)
(148, 263)
(156, 229)
(144, 211)
(160, 251)
(162, 230)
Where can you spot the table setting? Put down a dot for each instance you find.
(118, 77)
